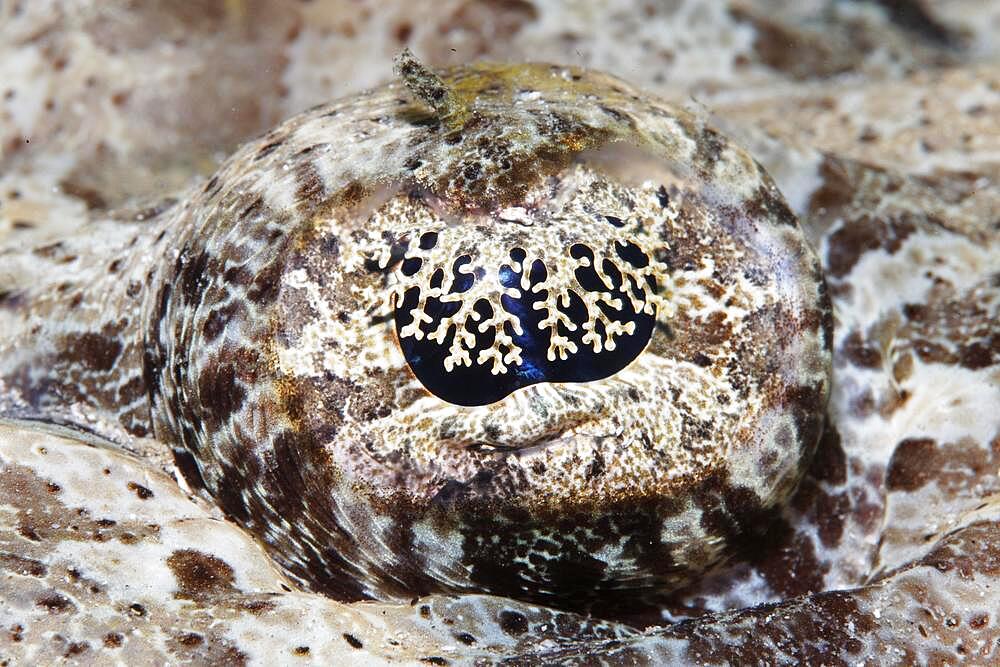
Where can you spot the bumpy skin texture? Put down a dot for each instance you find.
(891, 539)
(273, 350)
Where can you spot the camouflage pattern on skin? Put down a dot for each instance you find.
(271, 339)
(886, 553)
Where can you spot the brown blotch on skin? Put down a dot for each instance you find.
(915, 312)
(710, 147)
(55, 603)
(237, 276)
(893, 402)
(908, 467)
(200, 575)
(97, 351)
(860, 354)
(829, 464)
(219, 393)
(799, 53)
(862, 405)
(513, 623)
(75, 648)
(142, 492)
(353, 641)
(790, 551)
(190, 639)
(267, 149)
(700, 359)
(210, 187)
(932, 353)
(903, 367)
(979, 355)
(831, 510)
(863, 234)
(207, 649)
(253, 209)
(190, 273)
(979, 621)
(914, 16)
(954, 467)
(155, 211)
(716, 329)
(402, 32)
(303, 650)
(267, 284)
(219, 318)
(93, 199)
(310, 188)
(114, 640)
(766, 204)
(256, 607)
(868, 135)
(48, 251)
(27, 531)
(131, 391)
(353, 194)
(28, 567)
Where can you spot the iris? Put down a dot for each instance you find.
(476, 384)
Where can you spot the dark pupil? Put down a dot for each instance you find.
(476, 385)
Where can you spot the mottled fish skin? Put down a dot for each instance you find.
(886, 554)
(267, 353)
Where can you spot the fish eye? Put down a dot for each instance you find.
(485, 310)
(513, 300)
